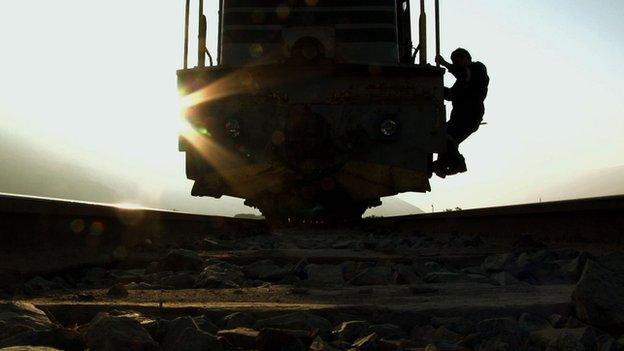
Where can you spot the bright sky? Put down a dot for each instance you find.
(95, 81)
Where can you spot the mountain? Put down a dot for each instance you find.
(393, 206)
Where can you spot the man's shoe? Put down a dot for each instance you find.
(439, 169)
(457, 167)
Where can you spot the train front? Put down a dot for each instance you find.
(314, 110)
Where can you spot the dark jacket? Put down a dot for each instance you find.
(471, 87)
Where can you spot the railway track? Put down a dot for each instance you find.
(508, 278)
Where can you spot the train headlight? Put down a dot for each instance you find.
(389, 127)
(232, 128)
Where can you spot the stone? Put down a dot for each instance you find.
(386, 331)
(211, 245)
(378, 275)
(565, 339)
(39, 285)
(498, 262)
(296, 321)
(318, 344)
(446, 335)
(219, 277)
(237, 320)
(556, 320)
(349, 270)
(505, 330)
(29, 348)
(367, 343)
(495, 345)
(451, 277)
(117, 291)
(266, 270)
(325, 274)
(526, 242)
(204, 323)
(573, 269)
(613, 261)
(423, 269)
(180, 260)
(270, 339)
(505, 279)
(17, 317)
(106, 332)
(599, 299)
(404, 274)
(183, 334)
(181, 280)
(244, 338)
(458, 325)
(349, 331)
(60, 338)
(532, 322)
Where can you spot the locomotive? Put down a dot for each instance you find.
(314, 109)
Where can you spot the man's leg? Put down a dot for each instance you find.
(463, 122)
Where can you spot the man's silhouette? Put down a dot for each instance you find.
(467, 96)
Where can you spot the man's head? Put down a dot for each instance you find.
(461, 57)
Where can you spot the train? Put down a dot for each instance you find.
(311, 110)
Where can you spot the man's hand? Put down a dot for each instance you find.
(441, 61)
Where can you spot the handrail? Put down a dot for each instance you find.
(422, 29)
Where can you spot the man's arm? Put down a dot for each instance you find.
(462, 74)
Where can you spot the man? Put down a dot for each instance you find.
(467, 96)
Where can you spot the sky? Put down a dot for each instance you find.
(94, 82)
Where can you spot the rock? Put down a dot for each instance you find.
(270, 339)
(324, 274)
(29, 348)
(573, 269)
(237, 320)
(367, 343)
(498, 262)
(423, 269)
(531, 322)
(526, 242)
(296, 321)
(106, 332)
(473, 270)
(404, 274)
(386, 331)
(95, 276)
(18, 317)
(39, 284)
(349, 331)
(565, 339)
(599, 299)
(218, 276)
(184, 335)
(505, 279)
(378, 275)
(244, 338)
(495, 345)
(442, 334)
(182, 280)
(204, 323)
(349, 270)
(450, 277)
(117, 291)
(613, 261)
(60, 338)
(180, 260)
(572, 323)
(319, 344)
(266, 270)
(458, 325)
(211, 245)
(502, 329)
(348, 244)
(556, 320)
